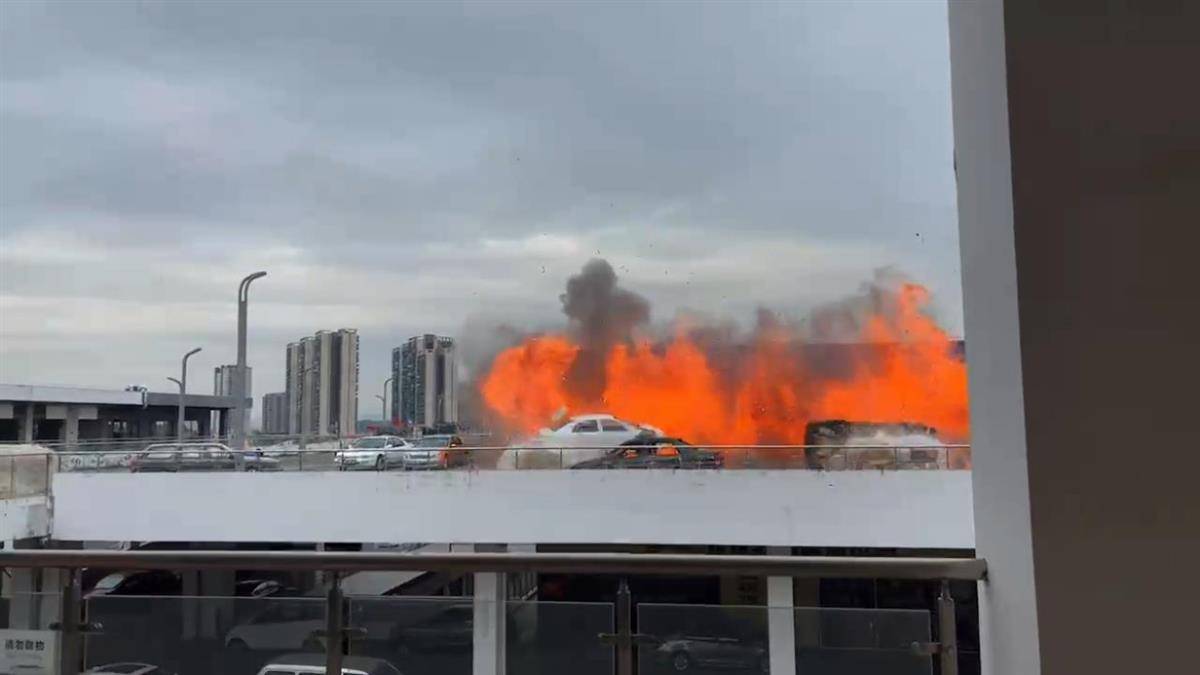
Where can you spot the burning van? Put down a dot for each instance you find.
(841, 444)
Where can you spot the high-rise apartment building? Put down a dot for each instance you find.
(275, 413)
(322, 383)
(223, 378)
(425, 382)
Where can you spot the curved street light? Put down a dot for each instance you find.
(237, 435)
(182, 382)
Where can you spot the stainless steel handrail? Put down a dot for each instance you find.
(971, 569)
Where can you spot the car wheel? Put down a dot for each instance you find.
(380, 463)
(237, 646)
(681, 661)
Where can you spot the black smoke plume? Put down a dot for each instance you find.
(602, 315)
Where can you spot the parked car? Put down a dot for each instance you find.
(440, 451)
(128, 668)
(138, 582)
(685, 652)
(581, 438)
(888, 445)
(261, 588)
(314, 664)
(257, 460)
(372, 452)
(448, 630)
(651, 451)
(284, 625)
(173, 457)
(590, 431)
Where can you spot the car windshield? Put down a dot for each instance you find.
(433, 442)
(110, 582)
(369, 443)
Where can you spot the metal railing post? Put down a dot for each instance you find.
(334, 625)
(624, 628)
(69, 623)
(947, 632)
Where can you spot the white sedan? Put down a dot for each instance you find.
(581, 438)
(373, 452)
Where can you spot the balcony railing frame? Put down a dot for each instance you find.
(336, 564)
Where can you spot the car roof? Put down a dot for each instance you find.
(593, 416)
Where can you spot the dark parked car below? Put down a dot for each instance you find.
(449, 630)
(686, 652)
(152, 582)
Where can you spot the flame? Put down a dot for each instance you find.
(903, 368)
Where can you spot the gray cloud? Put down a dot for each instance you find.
(403, 167)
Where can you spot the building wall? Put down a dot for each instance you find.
(425, 370)
(322, 383)
(224, 378)
(275, 413)
(1077, 138)
(293, 386)
(347, 380)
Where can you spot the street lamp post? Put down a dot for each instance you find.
(182, 382)
(385, 393)
(382, 405)
(237, 435)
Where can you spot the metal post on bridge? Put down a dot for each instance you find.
(335, 621)
(70, 654)
(947, 632)
(624, 639)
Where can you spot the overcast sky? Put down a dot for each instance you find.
(403, 168)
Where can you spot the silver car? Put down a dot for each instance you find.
(377, 453)
(175, 457)
(441, 451)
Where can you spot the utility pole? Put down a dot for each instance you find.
(386, 418)
(182, 382)
(237, 428)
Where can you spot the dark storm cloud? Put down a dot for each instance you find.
(408, 165)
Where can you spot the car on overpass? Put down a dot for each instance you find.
(590, 431)
(176, 457)
(377, 453)
(437, 451)
(652, 451)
